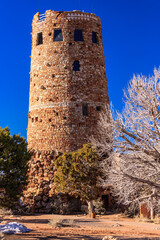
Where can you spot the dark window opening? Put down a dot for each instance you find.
(49, 34)
(53, 75)
(58, 35)
(82, 124)
(50, 120)
(94, 37)
(70, 44)
(42, 87)
(98, 108)
(56, 113)
(78, 36)
(76, 66)
(39, 38)
(32, 119)
(105, 200)
(85, 109)
(64, 118)
(36, 119)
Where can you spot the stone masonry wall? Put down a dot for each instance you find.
(59, 94)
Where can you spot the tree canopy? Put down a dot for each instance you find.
(78, 173)
(14, 158)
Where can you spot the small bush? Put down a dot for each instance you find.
(98, 207)
(59, 222)
(156, 220)
(4, 211)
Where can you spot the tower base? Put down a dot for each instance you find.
(40, 196)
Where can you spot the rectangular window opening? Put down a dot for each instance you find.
(78, 36)
(36, 119)
(39, 38)
(94, 37)
(98, 108)
(85, 109)
(58, 35)
(76, 66)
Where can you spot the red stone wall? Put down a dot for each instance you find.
(57, 92)
(145, 211)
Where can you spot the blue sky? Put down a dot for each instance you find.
(131, 39)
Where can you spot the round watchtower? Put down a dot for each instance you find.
(68, 87)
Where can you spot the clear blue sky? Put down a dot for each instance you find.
(131, 39)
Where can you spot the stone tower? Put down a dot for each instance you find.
(68, 91)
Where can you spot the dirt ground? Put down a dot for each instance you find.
(84, 228)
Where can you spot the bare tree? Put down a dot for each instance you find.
(133, 167)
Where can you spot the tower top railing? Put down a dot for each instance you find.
(70, 15)
(81, 15)
(75, 14)
(42, 17)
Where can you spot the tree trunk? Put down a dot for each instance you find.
(90, 207)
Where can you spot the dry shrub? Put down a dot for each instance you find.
(4, 211)
(156, 220)
(59, 222)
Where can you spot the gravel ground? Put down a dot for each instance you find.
(84, 228)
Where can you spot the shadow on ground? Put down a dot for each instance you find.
(78, 237)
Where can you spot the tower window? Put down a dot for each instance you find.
(94, 37)
(98, 108)
(36, 119)
(85, 109)
(78, 36)
(39, 38)
(58, 35)
(76, 66)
